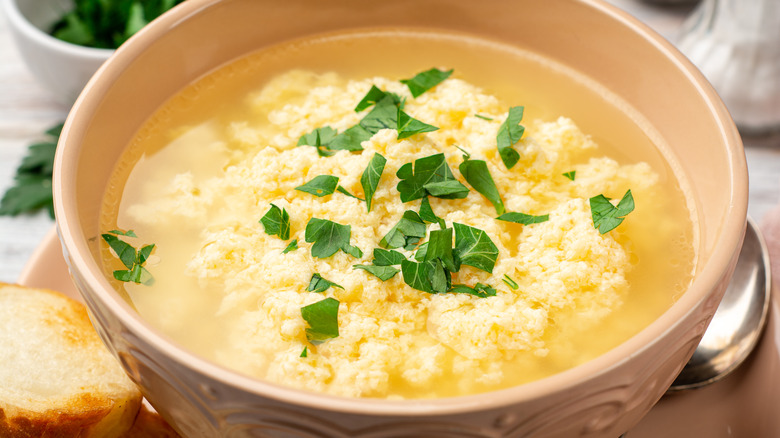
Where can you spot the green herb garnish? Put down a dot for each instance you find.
(480, 116)
(509, 282)
(406, 233)
(426, 80)
(440, 247)
(427, 214)
(606, 217)
(373, 96)
(130, 257)
(370, 178)
(318, 284)
(384, 273)
(409, 126)
(477, 174)
(522, 218)
(418, 275)
(276, 222)
(322, 318)
(329, 237)
(384, 115)
(571, 174)
(510, 133)
(320, 186)
(107, 24)
(474, 247)
(387, 257)
(344, 191)
(32, 183)
(426, 174)
(292, 246)
(480, 290)
(305, 352)
(320, 138)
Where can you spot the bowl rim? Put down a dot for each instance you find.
(24, 27)
(70, 233)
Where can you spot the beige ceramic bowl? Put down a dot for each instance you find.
(601, 398)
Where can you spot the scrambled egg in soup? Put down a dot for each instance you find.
(268, 260)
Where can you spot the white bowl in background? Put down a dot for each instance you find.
(61, 67)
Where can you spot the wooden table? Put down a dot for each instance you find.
(26, 110)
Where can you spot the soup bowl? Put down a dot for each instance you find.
(605, 396)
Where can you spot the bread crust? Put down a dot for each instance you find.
(93, 398)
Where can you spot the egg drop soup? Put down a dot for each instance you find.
(487, 257)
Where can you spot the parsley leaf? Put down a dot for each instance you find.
(387, 257)
(320, 186)
(409, 126)
(427, 214)
(132, 259)
(344, 191)
(406, 233)
(351, 139)
(318, 284)
(32, 182)
(305, 352)
(426, 80)
(477, 174)
(320, 138)
(373, 96)
(508, 135)
(322, 318)
(329, 237)
(474, 247)
(384, 273)
(440, 247)
(571, 174)
(276, 222)
(384, 115)
(425, 174)
(509, 282)
(480, 290)
(522, 218)
(606, 217)
(371, 176)
(417, 275)
(480, 116)
(291, 247)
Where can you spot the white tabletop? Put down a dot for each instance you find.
(27, 110)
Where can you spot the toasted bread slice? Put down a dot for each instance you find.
(57, 379)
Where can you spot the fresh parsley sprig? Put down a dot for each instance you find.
(32, 183)
(133, 259)
(406, 233)
(509, 133)
(606, 217)
(319, 284)
(426, 80)
(329, 237)
(478, 175)
(322, 318)
(276, 222)
(371, 176)
(429, 175)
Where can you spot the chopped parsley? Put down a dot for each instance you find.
(373, 96)
(480, 116)
(509, 282)
(477, 174)
(305, 352)
(329, 237)
(384, 273)
(522, 218)
(321, 139)
(320, 284)
(371, 176)
(322, 318)
(571, 174)
(344, 191)
(429, 175)
(606, 217)
(130, 257)
(480, 290)
(475, 248)
(409, 126)
(320, 186)
(276, 222)
(508, 135)
(426, 80)
(406, 233)
(291, 247)
(427, 214)
(387, 257)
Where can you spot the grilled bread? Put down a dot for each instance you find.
(57, 379)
